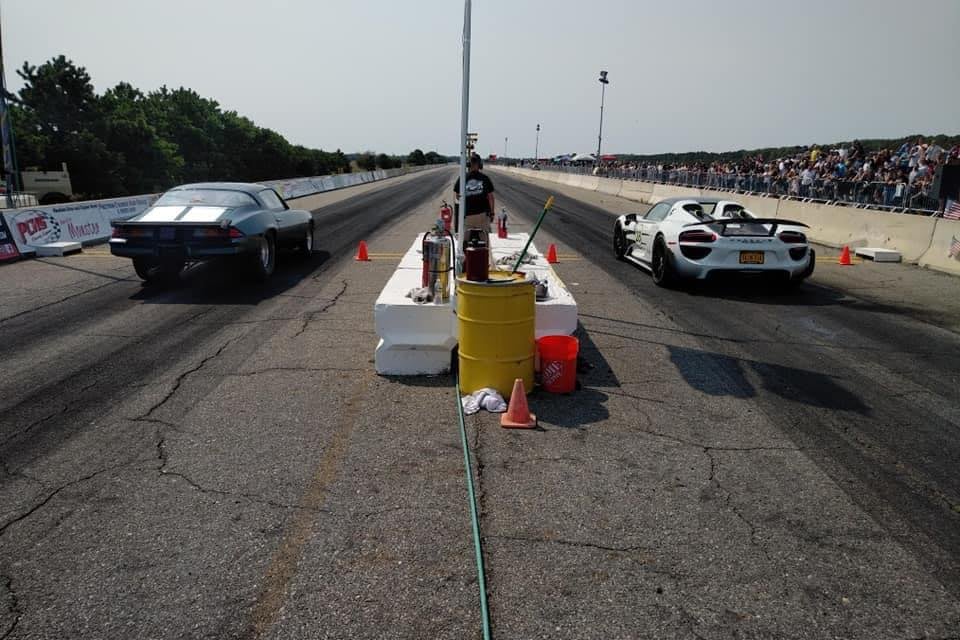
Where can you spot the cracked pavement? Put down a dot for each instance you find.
(735, 464)
(190, 461)
(218, 460)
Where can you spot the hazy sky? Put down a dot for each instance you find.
(385, 75)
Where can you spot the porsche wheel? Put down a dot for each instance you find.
(662, 266)
(619, 242)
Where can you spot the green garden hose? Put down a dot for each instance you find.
(474, 520)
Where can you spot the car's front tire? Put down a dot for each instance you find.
(264, 261)
(661, 266)
(619, 242)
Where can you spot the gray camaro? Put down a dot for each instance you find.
(196, 222)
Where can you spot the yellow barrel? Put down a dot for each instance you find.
(497, 339)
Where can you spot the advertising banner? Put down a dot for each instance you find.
(8, 248)
(74, 222)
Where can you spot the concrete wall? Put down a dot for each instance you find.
(921, 240)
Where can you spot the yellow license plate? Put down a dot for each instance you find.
(751, 257)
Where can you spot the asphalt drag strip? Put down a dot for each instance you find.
(737, 462)
(217, 459)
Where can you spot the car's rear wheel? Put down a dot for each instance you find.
(305, 245)
(619, 242)
(151, 270)
(263, 262)
(794, 283)
(661, 265)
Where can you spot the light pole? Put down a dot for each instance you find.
(505, 149)
(464, 119)
(6, 134)
(536, 149)
(603, 90)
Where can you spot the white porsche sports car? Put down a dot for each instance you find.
(700, 237)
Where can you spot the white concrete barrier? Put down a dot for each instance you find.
(838, 226)
(937, 256)
(590, 182)
(610, 186)
(636, 190)
(921, 240)
(417, 339)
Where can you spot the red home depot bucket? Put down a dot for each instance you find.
(558, 363)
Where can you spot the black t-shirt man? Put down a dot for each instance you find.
(479, 191)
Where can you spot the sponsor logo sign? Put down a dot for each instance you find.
(76, 222)
(35, 227)
(8, 248)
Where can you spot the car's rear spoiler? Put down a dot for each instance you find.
(164, 223)
(773, 222)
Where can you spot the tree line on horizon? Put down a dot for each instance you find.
(125, 141)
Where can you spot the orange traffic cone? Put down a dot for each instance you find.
(552, 254)
(518, 414)
(845, 256)
(362, 255)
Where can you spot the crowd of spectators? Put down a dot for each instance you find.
(895, 178)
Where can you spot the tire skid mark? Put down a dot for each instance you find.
(283, 565)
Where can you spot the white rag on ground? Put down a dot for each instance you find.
(487, 399)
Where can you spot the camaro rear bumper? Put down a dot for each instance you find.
(188, 251)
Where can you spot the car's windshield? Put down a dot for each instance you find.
(206, 197)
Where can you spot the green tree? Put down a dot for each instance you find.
(367, 161)
(416, 158)
(150, 162)
(61, 112)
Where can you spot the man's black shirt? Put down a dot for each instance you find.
(478, 186)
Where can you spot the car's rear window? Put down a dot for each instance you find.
(206, 197)
(700, 211)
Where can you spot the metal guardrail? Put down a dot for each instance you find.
(898, 197)
(17, 200)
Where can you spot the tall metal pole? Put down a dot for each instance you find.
(6, 134)
(464, 112)
(505, 148)
(536, 149)
(603, 90)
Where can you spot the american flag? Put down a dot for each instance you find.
(954, 247)
(952, 210)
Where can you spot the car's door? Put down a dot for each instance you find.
(647, 230)
(286, 227)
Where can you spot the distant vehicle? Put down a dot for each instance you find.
(49, 187)
(700, 237)
(196, 222)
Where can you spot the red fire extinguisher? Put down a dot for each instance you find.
(446, 214)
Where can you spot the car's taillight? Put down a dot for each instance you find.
(131, 232)
(793, 237)
(235, 233)
(697, 235)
